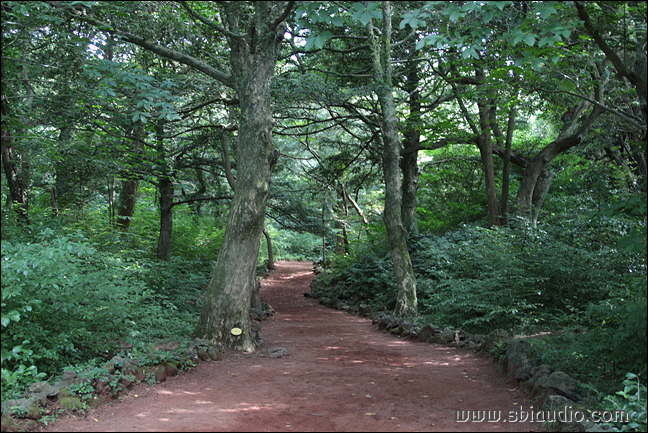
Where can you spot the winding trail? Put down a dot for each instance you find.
(342, 375)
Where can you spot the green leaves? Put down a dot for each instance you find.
(364, 14)
(124, 83)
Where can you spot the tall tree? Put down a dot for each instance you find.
(254, 34)
(396, 234)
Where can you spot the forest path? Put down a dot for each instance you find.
(342, 375)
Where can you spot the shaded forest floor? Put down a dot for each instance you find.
(342, 374)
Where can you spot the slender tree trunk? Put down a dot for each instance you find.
(506, 171)
(166, 217)
(271, 264)
(409, 161)
(396, 233)
(253, 60)
(485, 144)
(128, 194)
(16, 178)
(127, 199)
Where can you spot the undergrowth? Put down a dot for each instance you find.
(524, 280)
(67, 300)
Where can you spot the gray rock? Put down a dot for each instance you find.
(556, 402)
(69, 378)
(364, 310)
(537, 373)
(448, 336)
(523, 373)
(278, 352)
(43, 388)
(22, 408)
(519, 353)
(497, 336)
(562, 384)
(427, 332)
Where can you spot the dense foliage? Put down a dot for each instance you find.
(522, 135)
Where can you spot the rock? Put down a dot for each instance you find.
(523, 373)
(268, 309)
(159, 373)
(537, 373)
(71, 403)
(519, 353)
(448, 336)
(318, 269)
(497, 336)
(202, 354)
(278, 352)
(69, 378)
(22, 408)
(142, 373)
(215, 353)
(43, 388)
(556, 402)
(471, 345)
(427, 332)
(562, 384)
(364, 310)
(258, 339)
(110, 367)
(170, 369)
(126, 366)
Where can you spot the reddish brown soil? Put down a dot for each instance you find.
(342, 375)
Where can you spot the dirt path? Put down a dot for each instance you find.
(342, 375)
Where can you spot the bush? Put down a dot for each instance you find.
(632, 400)
(64, 302)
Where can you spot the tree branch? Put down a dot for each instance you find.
(636, 80)
(602, 106)
(191, 200)
(168, 53)
(283, 16)
(209, 22)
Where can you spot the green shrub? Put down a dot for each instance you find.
(64, 302)
(632, 400)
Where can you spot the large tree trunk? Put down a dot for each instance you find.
(227, 300)
(396, 233)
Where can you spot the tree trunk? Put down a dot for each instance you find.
(396, 233)
(127, 198)
(506, 171)
(253, 59)
(16, 179)
(409, 161)
(271, 264)
(572, 133)
(540, 193)
(166, 217)
(485, 144)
